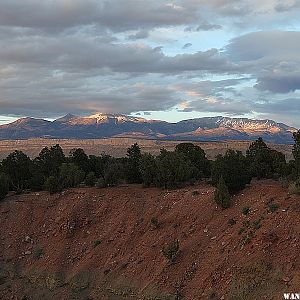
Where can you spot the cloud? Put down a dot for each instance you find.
(142, 34)
(120, 15)
(85, 101)
(271, 56)
(84, 56)
(115, 15)
(187, 45)
(76, 53)
(214, 97)
(289, 106)
(218, 105)
(203, 26)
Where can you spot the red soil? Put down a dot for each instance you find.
(91, 243)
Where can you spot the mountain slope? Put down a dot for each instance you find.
(109, 125)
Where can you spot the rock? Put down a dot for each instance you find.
(286, 279)
(27, 252)
(28, 239)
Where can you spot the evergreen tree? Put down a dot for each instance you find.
(49, 161)
(97, 164)
(222, 196)
(296, 151)
(17, 166)
(37, 181)
(134, 157)
(173, 170)
(80, 159)
(4, 185)
(197, 158)
(113, 173)
(148, 169)
(264, 162)
(53, 185)
(234, 169)
(90, 179)
(70, 175)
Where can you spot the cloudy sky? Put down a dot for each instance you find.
(168, 60)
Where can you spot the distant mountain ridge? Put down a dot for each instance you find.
(113, 125)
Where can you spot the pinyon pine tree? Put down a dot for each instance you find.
(222, 196)
(4, 185)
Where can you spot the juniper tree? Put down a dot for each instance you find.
(222, 196)
(4, 185)
(134, 157)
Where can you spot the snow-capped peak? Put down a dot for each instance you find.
(101, 118)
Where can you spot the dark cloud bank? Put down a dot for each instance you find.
(87, 56)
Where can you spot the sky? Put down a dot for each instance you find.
(168, 60)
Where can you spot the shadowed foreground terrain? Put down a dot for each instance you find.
(90, 243)
(117, 147)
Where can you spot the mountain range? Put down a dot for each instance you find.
(111, 125)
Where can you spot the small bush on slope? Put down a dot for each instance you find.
(222, 196)
(171, 250)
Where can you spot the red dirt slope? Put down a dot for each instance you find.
(93, 243)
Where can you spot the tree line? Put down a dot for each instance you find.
(52, 170)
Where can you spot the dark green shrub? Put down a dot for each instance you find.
(173, 170)
(231, 222)
(233, 167)
(171, 250)
(90, 179)
(38, 253)
(37, 181)
(112, 175)
(273, 207)
(155, 222)
(100, 183)
(148, 169)
(257, 224)
(96, 243)
(212, 295)
(246, 210)
(222, 196)
(53, 185)
(4, 185)
(241, 230)
(70, 175)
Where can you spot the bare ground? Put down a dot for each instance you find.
(91, 243)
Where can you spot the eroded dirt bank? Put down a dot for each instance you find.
(93, 243)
